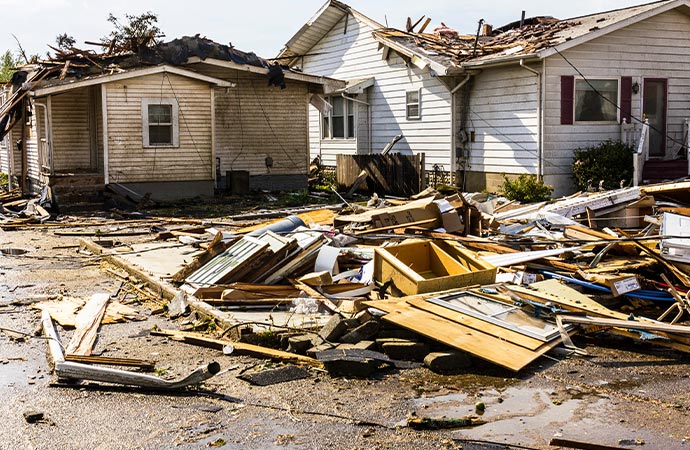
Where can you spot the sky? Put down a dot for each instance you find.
(261, 26)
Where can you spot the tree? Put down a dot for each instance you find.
(7, 66)
(65, 42)
(139, 31)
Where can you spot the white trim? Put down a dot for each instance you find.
(213, 135)
(418, 103)
(439, 68)
(104, 108)
(347, 103)
(597, 122)
(662, 8)
(145, 103)
(109, 78)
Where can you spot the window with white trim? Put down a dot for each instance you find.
(160, 122)
(596, 100)
(413, 104)
(339, 123)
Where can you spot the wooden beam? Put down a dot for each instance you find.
(87, 323)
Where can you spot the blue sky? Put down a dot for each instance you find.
(259, 26)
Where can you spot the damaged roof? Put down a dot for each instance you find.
(538, 37)
(187, 56)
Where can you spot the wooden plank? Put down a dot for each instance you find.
(631, 324)
(109, 361)
(569, 443)
(88, 321)
(394, 174)
(241, 348)
(477, 324)
(461, 337)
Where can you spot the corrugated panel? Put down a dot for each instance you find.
(224, 264)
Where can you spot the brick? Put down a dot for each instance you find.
(363, 332)
(447, 362)
(406, 350)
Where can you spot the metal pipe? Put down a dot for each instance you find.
(368, 116)
(540, 109)
(476, 40)
(460, 84)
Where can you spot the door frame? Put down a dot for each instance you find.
(665, 110)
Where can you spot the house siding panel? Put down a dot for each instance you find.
(502, 112)
(129, 161)
(70, 131)
(349, 52)
(658, 47)
(254, 121)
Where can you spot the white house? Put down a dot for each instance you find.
(518, 99)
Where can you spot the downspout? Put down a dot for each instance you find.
(368, 116)
(453, 134)
(540, 114)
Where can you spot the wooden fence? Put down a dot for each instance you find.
(392, 174)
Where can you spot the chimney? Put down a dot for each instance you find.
(522, 19)
(487, 29)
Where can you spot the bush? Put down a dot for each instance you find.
(611, 161)
(526, 189)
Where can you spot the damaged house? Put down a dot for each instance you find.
(174, 120)
(516, 99)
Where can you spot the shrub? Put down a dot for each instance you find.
(611, 161)
(526, 189)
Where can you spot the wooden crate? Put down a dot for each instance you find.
(422, 267)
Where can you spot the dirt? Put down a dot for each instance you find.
(622, 391)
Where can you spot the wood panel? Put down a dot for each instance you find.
(395, 174)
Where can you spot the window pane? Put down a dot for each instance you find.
(326, 128)
(160, 135)
(412, 111)
(597, 102)
(160, 114)
(338, 109)
(338, 127)
(413, 97)
(350, 126)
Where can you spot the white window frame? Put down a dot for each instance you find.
(347, 105)
(145, 102)
(418, 104)
(618, 101)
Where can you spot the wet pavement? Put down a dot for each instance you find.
(623, 392)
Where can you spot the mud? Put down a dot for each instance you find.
(622, 391)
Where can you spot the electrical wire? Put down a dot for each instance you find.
(615, 105)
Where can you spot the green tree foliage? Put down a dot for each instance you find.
(7, 65)
(610, 161)
(136, 31)
(65, 42)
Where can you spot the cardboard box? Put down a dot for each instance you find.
(623, 285)
(449, 216)
(422, 266)
(415, 211)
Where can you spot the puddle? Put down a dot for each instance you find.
(12, 251)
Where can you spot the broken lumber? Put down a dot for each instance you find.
(240, 348)
(78, 371)
(87, 322)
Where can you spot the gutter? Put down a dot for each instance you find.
(453, 139)
(540, 124)
(362, 102)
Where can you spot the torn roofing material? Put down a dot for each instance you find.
(534, 38)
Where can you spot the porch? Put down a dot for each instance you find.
(649, 170)
(69, 133)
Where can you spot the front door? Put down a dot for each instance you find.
(654, 109)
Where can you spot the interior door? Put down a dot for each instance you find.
(654, 107)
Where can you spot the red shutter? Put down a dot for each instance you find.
(567, 99)
(626, 98)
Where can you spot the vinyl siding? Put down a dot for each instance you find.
(349, 52)
(503, 114)
(71, 138)
(254, 121)
(658, 47)
(129, 161)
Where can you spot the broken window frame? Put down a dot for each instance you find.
(410, 104)
(578, 103)
(174, 123)
(349, 128)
